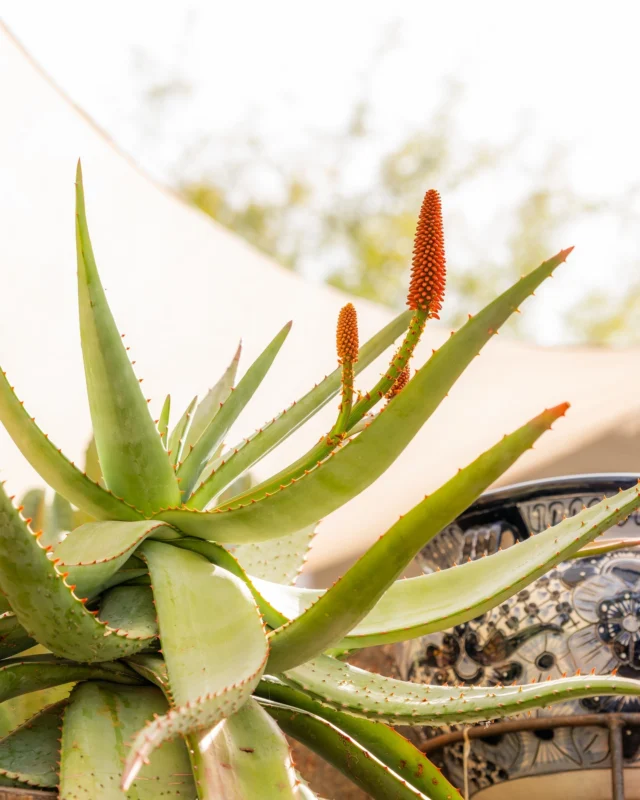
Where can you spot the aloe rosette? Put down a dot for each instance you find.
(153, 642)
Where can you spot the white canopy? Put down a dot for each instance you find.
(185, 290)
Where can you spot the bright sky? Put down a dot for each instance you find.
(565, 71)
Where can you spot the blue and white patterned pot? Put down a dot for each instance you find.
(584, 614)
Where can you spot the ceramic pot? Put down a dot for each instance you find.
(584, 614)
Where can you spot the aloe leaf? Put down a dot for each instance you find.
(58, 519)
(177, 434)
(94, 552)
(34, 507)
(278, 560)
(19, 676)
(219, 425)
(379, 739)
(251, 450)
(350, 599)
(163, 420)
(13, 637)
(30, 753)
(246, 756)
(92, 466)
(218, 555)
(603, 546)
(53, 467)
(213, 400)
(343, 752)
(349, 470)
(99, 719)
(43, 602)
(130, 609)
(357, 691)
(133, 459)
(230, 643)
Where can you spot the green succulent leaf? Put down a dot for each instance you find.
(248, 452)
(178, 433)
(34, 507)
(30, 753)
(61, 474)
(231, 643)
(98, 722)
(163, 420)
(43, 602)
(13, 637)
(343, 752)
(94, 552)
(212, 436)
(59, 519)
(349, 600)
(19, 676)
(133, 459)
(380, 740)
(356, 691)
(349, 470)
(214, 399)
(244, 757)
(130, 609)
(278, 560)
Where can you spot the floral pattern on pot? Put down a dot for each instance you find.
(583, 615)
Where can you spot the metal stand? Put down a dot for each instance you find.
(613, 722)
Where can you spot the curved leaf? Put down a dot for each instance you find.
(352, 468)
(213, 400)
(343, 752)
(244, 757)
(218, 427)
(177, 434)
(278, 560)
(380, 740)
(20, 676)
(130, 609)
(30, 753)
(214, 660)
(163, 420)
(43, 602)
(133, 459)
(250, 451)
(357, 691)
(48, 461)
(349, 600)
(13, 637)
(94, 552)
(100, 718)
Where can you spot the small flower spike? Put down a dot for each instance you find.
(428, 272)
(347, 343)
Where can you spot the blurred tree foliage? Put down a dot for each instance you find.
(342, 206)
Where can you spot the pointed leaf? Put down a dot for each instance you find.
(100, 718)
(13, 637)
(359, 692)
(383, 742)
(278, 560)
(30, 753)
(19, 676)
(248, 452)
(52, 466)
(163, 421)
(94, 552)
(92, 466)
(213, 660)
(130, 609)
(356, 593)
(244, 757)
(34, 507)
(214, 399)
(59, 519)
(343, 752)
(177, 434)
(133, 460)
(218, 427)
(44, 604)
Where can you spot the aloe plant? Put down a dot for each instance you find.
(159, 587)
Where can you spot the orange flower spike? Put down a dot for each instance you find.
(428, 271)
(347, 343)
(401, 381)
